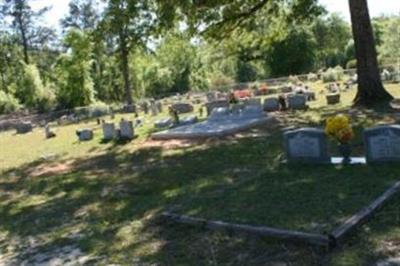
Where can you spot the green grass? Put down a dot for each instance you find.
(111, 195)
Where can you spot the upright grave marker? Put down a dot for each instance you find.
(126, 129)
(306, 145)
(382, 143)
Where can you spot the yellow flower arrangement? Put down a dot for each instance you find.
(339, 127)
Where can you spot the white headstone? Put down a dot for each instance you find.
(108, 131)
(126, 129)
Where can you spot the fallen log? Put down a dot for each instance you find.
(340, 233)
(288, 235)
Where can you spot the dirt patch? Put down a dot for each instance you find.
(47, 169)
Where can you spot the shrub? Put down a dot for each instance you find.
(8, 103)
(351, 64)
(333, 74)
(97, 109)
(312, 77)
(220, 80)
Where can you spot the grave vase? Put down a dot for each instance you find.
(345, 151)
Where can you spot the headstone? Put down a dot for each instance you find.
(159, 106)
(153, 109)
(210, 106)
(129, 108)
(85, 134)
(166, 122)
(306, 145)
(145, 107)
(24, 127)
(333, 98)
(126, 128)
(382, 143)
(220, 113)
(183, 108)
(271, 104)
(48, 132)
(108, 131)
(297, 101)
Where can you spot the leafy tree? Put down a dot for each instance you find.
(24, 21)
(293, 55)
(83, 15)
(73, 68)
(131, 23)
(390, 48)
(332, 35)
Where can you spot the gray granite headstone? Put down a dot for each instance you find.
(333, 98)
(126, 129)
(382, 143)
(24, 127)
(271, 104)
(108, 131)
(85, 134)
(306, 145)
(183, 108)
(297, 102)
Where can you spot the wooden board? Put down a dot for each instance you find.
(340, 233)
(295, 236)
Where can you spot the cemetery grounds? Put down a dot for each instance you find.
(102, 201)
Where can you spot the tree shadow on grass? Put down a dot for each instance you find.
(113, 200)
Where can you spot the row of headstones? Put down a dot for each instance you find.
(382, 144)
(110, 132)
(294, 101)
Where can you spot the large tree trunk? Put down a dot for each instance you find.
(124, 66)
(370, 88)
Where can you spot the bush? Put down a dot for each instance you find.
(351, 64)
(32, 92)
(97, 109)
(333, 74)
(220, 80)
(8, 103)
(312, 77)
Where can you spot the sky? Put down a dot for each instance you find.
(376, 8)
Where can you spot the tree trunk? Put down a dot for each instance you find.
(370, 88)
(124, 66)
(23, 37)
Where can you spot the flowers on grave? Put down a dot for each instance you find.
(338, 127)
(241, 94)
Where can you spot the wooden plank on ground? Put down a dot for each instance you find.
(295, 236)
(361, 216)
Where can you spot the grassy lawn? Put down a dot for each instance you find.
(105, 198)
